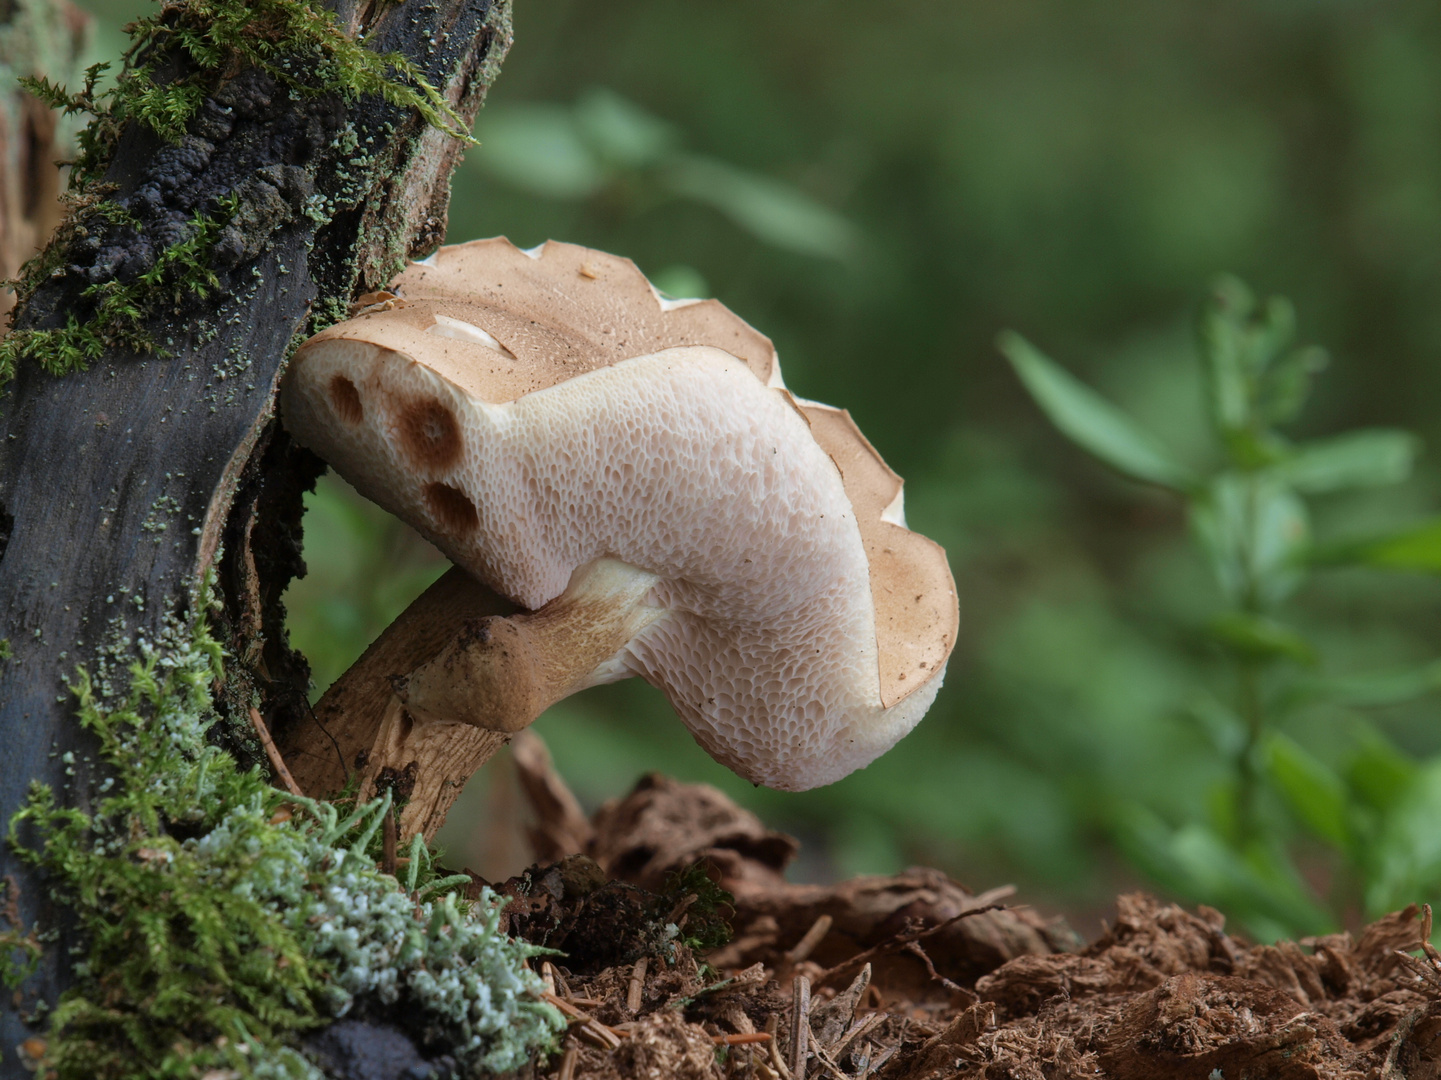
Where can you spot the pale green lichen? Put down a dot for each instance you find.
(223, 918)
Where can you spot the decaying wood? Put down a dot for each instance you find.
(663, 826)
(1163, 993)
(117, 484)
(433, 761)
(561, 827)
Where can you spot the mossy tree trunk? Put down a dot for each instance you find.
(123, 486)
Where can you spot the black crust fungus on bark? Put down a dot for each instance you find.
(250, 159)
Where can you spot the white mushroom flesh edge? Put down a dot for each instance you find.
(760, 627)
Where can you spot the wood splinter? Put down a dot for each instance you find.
(276, 761)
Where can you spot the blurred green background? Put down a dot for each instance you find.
(883, 188)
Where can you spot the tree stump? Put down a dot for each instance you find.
(123, 487)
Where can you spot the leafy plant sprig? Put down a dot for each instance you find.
(1250, 518)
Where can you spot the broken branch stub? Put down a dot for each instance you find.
(632, 470)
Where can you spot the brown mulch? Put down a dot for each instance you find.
(915, 977)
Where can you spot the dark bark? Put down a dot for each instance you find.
(121, 486)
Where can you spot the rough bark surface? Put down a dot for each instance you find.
(121, 486)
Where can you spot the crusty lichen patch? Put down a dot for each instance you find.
(223, 918)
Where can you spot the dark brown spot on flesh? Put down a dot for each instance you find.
(452, 508)
(430, 435)
(345, 399)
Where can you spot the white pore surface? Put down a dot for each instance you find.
(685, 465)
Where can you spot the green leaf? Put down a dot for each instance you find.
(621, 132)
(537, 148)
(1377, 772)
(1288, 384)
(1257, 637)
(1367, 458)
(1373, 687)
(1406, 857)
(1091, 421)
(1225, 356)
(1314, 793)
(770, 210)
(1416, 547)
(1255, 532)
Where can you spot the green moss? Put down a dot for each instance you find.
(302, 47)
(706, 926)
(180, 273)
(176, 59)
(223, 918)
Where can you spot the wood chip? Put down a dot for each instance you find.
(742, 1040)
(861, 1027)
(635, 987)
(602, 1034)
(567, 1064)
(807, 944)
(388, 844)
(774, 1046)
(800, 1026)
(825, 1061)
(562, 827)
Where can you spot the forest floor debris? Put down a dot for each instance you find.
(915, 977)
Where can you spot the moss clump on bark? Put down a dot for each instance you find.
(223, 918)
(150, 251)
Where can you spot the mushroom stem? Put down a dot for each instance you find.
(347, 721)
(501, 673)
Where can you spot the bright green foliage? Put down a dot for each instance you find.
(605, 143)
(1092, 421)
(224, 917)
(1250, 518)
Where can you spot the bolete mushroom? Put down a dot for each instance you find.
(631, 471)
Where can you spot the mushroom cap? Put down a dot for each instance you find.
(532, 412)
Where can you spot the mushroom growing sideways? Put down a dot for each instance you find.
(632, 473)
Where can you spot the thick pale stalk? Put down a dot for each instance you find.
(348, 719)
(444, 687)
(500, 673)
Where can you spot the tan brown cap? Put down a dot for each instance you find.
(632, 469)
